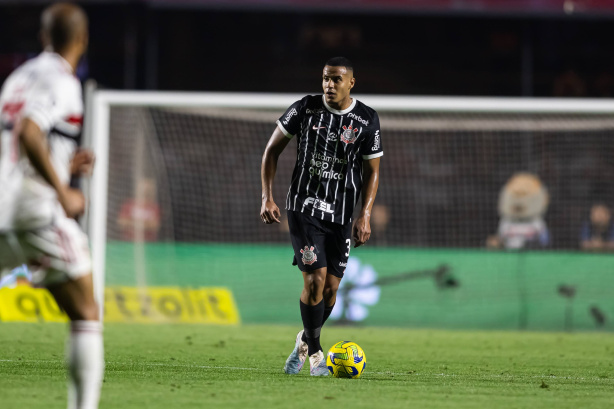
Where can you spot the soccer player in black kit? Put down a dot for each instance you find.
(338, 155)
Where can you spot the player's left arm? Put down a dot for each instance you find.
(36, 148)
(362, 225)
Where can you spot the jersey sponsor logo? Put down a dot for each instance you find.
(342, 264)
(332, 137)
(309, 256)
(317, 111)
(290, 114)
(329, 159)
(349, 134)
(376, 143)
(358, 118)
(320, 165)
(315, 128)
(319, 205)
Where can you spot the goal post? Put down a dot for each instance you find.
(97, 212)
(445, 162)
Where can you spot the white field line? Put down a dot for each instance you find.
(409, 374)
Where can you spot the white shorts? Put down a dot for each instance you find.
(55, 254)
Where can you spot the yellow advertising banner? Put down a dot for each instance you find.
(205, 305)
(26, 304)
(208, 305)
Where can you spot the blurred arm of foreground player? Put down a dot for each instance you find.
(35, 146)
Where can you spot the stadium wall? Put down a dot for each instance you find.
(451, 288)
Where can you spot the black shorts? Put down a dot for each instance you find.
(318, 243)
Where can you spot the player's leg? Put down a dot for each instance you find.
(312, 314)
(330, 295)
(338, 245)
(76, 297)
(67, 275)
(85, 349)
(312, 307)
(308, 240)
(308, 243)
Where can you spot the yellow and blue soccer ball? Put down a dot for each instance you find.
(346, 360)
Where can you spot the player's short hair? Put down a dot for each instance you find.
(340, 62)
(61, 23)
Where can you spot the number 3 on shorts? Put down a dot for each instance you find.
(349, 243)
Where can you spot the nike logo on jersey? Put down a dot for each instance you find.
(315, 128)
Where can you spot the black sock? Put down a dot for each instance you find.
(327, 311)
(312, 323)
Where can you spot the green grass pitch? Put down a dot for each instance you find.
(190, 366)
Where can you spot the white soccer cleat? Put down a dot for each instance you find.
(297, 358)
(318, 364)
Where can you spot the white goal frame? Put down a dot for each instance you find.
(99, 102)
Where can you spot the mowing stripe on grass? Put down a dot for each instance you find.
(409, 374)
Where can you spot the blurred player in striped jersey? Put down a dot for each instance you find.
(41, 113)
(339, 147)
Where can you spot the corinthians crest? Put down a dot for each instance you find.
(309, 257)
(349, 134)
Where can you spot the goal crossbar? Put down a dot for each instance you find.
(378, 102)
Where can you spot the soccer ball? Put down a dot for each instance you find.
(346, 360)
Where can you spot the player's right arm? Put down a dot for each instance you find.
(35, 145)
(82, 162)
(269, 212)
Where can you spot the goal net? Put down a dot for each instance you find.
(175, 199)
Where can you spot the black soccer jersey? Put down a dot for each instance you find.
(332, 144)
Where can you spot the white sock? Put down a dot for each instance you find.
(85, 364)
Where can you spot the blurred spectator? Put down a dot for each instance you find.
(598, 232)
(522, 204)
(335, 36)
(569, 84)
(603, 85)
(141, 214)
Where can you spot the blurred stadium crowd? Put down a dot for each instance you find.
(435, 47)
(443, 187)
(442, 190)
